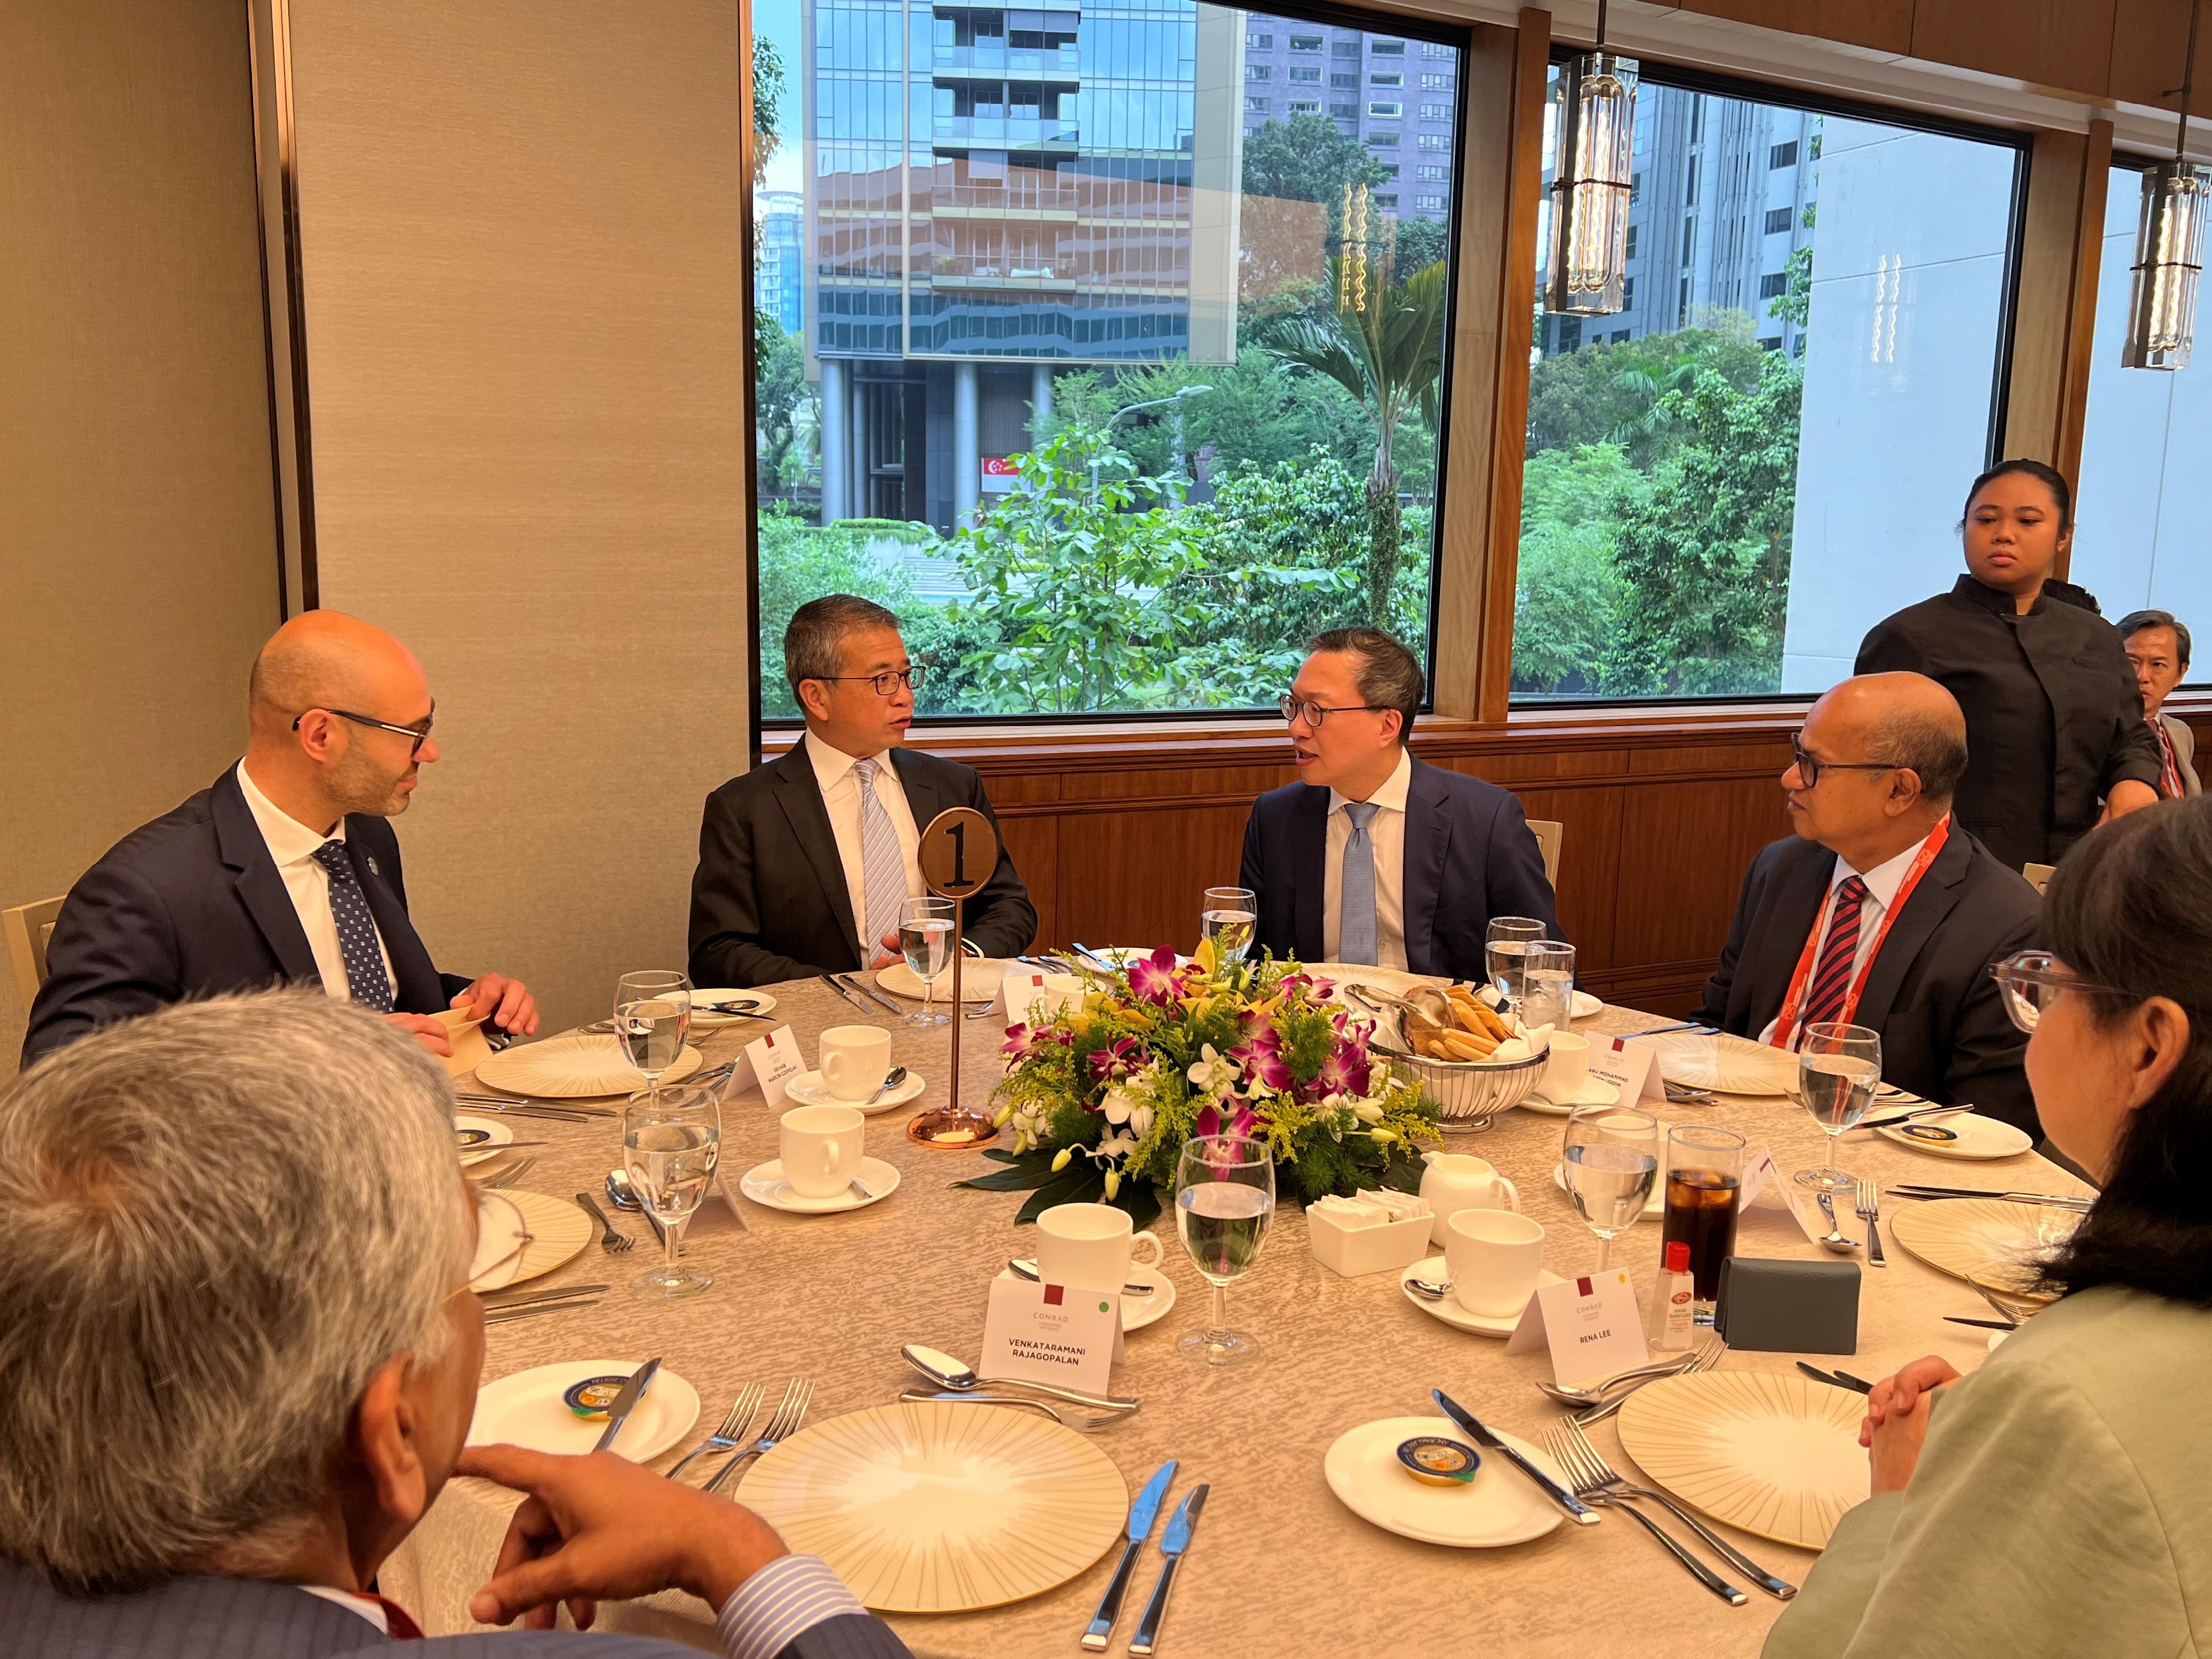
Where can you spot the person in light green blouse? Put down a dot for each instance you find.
(2059, 1500)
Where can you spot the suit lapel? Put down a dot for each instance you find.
(260, 888)
(921, 795)
(799, 794)
(417, 989)
(1800, 889)
(1923, 913)
(1308, 871)
(1428, 844)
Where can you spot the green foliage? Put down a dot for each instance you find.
(800, 562)
(1609, 393)
(768, 100)
(779, 390)
(1569, 594)
(1420, 242)
(1306, 159)
(1794, 303)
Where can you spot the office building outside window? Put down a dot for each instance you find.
(1063, 394)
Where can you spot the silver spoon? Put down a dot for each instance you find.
(1594, 1394)
(1836, 1238)
(1434, 1290)
(892, 1079)
(1089, 1422)
(1024, 1267)
(947, 1372)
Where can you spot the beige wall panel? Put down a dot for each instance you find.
(137, 527)
(522, 266)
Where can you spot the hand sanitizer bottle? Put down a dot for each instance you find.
(1674, 1305)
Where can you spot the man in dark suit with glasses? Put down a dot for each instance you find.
(803, 862)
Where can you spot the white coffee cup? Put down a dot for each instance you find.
(1568, 1070)
(1089, 1246)
(1493, 1257)
(1061, 991)
(821, 1148)
(854, 1059)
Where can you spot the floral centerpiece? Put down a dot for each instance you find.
(1102, 1099)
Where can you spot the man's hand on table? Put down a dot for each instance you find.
(507, 1003)
(601, 1528)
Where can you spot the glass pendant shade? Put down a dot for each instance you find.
(1588, 255)
(2169, 259)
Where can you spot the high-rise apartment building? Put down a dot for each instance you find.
(779, 262)
(994, 192)
(1398, 97)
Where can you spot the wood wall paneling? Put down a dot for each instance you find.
(1882, 25)
(2064, 45)
(1688, 846)
(2055, 319)
(2148, 40)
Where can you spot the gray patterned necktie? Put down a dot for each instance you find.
(1355, 894)
(883, 869)
(367, 982)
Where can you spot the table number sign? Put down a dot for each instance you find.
(768, 1064)
(957, 852)
(1052, 1334)
(1592, 1325)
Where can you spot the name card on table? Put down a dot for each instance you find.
(1592, 1325)
(1771, 1198)
(1017, 991)
(1051, 1334)
(768, 1065)
(1630, 1068)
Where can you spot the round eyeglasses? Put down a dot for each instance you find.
(2031, 981)
(1312, 713)
(885, 684)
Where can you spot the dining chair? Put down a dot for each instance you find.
(28, 926)
(2038, 875)
(1549, 835)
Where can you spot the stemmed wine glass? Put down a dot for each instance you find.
(1839, 1071)
(1231, 917)
(671, 1141)
(652, 1016)
(1611, 1164)
(926, 941)
(1224, 1197)
(1506, 945)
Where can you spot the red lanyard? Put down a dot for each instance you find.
(2169, 771)
(1785, 1023)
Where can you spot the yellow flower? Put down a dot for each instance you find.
(1060, 1158)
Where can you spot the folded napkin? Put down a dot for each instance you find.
(1371, 1209)
(1528, 1043)
(501, 1234)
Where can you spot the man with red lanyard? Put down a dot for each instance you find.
(1881, 911)
(2158, 650)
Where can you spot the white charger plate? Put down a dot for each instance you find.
(1138, 1311)
(809, 1090)
(1436, 1270)
(1773, 1453)
(500, 1133)
(526, 1409)
(1595, 1091)
(1500, 1505)
(576, 1065)
(1979, 1138)
(764, 1183)
(1989, 1239)
(503, 1238)
(759, 1001)
(978, 980)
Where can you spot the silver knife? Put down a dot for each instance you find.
(1489, 1442)
(1173, 1542)
(626, 1401)
(858, 984)
(1914, 1189)
(832, 983)
(1142, 1514)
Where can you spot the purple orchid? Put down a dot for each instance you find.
(1263, 1062)
(1345, 1072)
(1023, 1041)
(1113, 1065)
(1152, 978)
(1208, 1122)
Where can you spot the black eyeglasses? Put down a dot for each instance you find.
(1312, 713)
(1810, 769)
(420, 732)
(886, 683)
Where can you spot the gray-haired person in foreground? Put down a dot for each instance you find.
(242, 1357)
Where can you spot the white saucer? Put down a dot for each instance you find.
(526, 1409)
(1583, 1005)
(1449, 1310)
(1138, 1311)
(809, 1090)
(1979, 1138)
(1653, 1207)
(759, 1001)
(1500, 1505)
(764, 1184)
(500, 1133)
(1595, 1091)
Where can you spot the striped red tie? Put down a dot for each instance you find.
(1833, 977)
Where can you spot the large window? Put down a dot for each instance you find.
(1729, 483)
(2143, 520)
(1114, 387)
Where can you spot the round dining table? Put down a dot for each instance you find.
(1278, 1565)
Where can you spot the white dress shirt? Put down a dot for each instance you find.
(840, 795)
(293, 845)
(1882, 884)
(1386, 834)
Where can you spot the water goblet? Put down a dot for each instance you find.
(1230, 917)
(1610, 1164)
(926, 941)
(652, 1016)
(1224, 1197)
(1839, 1071)
(671, 1140)
(1506, 945)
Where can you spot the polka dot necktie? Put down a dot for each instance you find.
(367, 982)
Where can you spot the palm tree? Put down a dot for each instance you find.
(1384, 346)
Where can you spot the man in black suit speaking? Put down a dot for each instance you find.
(284, 868)
(1374, 857)
(803, 862)
(1882, 911)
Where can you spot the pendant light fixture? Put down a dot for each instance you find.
(1591, 182)
(2169, 247)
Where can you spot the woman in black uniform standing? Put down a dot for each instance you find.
(2054, 722)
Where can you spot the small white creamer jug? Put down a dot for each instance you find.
(1458, 1180)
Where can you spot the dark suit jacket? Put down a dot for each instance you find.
(191, 904)
(1945, 1035)
(768, 901)
(1469, 856)
(246, 1618)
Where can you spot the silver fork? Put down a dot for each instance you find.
(1568, 1447)
(513, 1173)
(785, 1424)
(609, 1240)
(1709, 1353)
(1868, 1204)
(735, 1426)
(1587, 1459)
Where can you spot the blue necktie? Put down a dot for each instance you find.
(1356, 906)
(367, 982)
(883, 870)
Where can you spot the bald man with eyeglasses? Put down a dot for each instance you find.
(282, 871)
